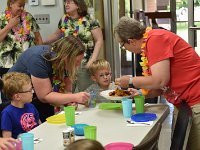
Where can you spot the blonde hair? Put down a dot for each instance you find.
(68, 48)
(13, 1)
(85, 144)
(14, 82)
(129, 28)
(98, 65)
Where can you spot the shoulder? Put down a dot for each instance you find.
(160, 32)
(38, 49)
(65, 16)
(162, 35)
(7, 110)
(29, 106)
(90, 18)
(29, 15)
(2, 16)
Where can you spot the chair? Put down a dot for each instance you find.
(182, 128)
(151, 142)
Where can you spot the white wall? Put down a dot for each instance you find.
(56, 11)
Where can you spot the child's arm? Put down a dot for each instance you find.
(7, 143)
(6, 133)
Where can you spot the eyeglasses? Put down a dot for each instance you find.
(122, 46)
(28, 91)
(105, 75)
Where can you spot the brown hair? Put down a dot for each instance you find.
(68, 48)
(14, 82)
(129, 28)
(85, 144)
(82, 7)
(98, 65)
(13, 1)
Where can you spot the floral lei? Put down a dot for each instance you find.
(21, 32)
(58, 84)
(80, 22)
(144, 62)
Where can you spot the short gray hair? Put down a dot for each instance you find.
(129, 28)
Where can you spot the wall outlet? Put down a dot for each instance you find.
(42, 18)
(33, 2)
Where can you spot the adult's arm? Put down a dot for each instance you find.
(160, 77)
(12, 22)
(53, 37)
(154, 93)
(43, 89)
(98, 38)
(38, 38)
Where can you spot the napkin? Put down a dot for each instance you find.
(131, 123)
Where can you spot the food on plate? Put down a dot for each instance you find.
(119, 92)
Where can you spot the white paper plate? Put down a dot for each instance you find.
(105, 94)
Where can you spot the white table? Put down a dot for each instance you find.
(111, 127)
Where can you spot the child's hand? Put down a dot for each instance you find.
(7, 143)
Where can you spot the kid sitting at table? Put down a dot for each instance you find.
(20, 116)
(100, 72)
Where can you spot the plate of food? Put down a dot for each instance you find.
(117, 94)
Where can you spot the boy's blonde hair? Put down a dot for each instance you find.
(14, 82)
(98, 65)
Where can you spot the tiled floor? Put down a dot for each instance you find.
(165, 135)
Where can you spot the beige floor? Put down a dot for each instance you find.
(165, 135)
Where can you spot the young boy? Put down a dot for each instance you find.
(20, 116)
(100, 72)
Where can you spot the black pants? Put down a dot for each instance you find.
(45, 110)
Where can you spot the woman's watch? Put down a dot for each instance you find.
(130, 82)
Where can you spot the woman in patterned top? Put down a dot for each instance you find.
(18, 31)
(79, 23)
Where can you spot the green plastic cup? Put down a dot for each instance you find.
(70, 115)
(139, 104)
(90, 132)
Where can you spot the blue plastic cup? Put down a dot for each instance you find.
(127, 107)
(27, 141)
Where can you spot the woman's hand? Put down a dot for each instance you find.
(13, 21)
(123, 81)
(72, 104)
(134, 92)
(6, 143)
(82, 97)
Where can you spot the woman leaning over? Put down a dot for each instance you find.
(79, 23)
(170, 67)
(18, 31)
(52, 69)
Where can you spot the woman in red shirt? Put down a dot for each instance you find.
(171, 67)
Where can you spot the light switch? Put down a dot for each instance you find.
(33, 2)
(48, 2)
